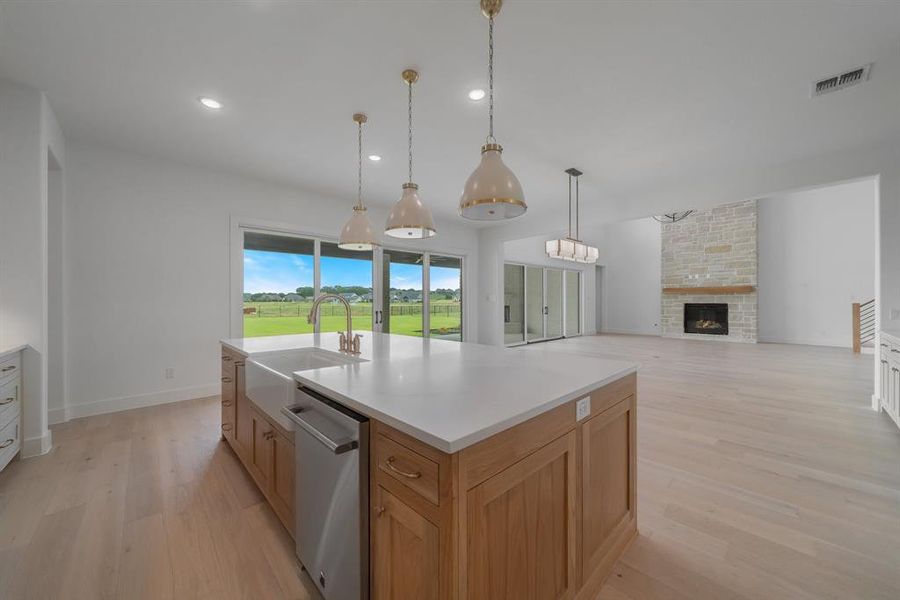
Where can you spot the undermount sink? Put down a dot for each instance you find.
(269, 375)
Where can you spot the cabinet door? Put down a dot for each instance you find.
(895, 390)
(608, 479)
(281, 479)
(521, 528)
(405, 551)
(260, 456)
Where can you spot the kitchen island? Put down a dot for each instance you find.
(493, 473)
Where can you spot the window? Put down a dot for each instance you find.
(573, 303)
(346, 273)
(279, 272)
(540, 303)
(445, 297)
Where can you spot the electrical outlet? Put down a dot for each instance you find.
(583, 408)
(170, 373)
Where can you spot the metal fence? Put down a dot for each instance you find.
(331, 309)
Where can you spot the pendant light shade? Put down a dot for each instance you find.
(570, 248)
(492, 192)
(409, 217)
(357, 233)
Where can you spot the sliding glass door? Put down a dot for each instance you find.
(279, 284)
(513, 304)
(540, 303)
(402, 301)
(347, 273)
(445, 297)
(392, 291)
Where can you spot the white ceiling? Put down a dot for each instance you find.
(634, 93)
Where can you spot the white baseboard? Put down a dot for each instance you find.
(37, 446)
(110, 405)
(56, 415)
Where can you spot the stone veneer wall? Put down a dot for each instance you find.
(707, 249)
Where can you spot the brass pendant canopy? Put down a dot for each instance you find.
(357, 233)
(492, 192)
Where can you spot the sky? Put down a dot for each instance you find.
(282, 272)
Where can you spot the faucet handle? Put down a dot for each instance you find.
(354, 344)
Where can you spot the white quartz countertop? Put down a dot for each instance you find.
(894, 334)
(447, 394)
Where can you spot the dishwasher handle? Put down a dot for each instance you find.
(293, 413)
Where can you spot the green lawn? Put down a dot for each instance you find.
(290, 317)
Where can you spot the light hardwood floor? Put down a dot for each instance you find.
(762, 473)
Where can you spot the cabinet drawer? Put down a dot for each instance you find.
(9, 401)
(10, 366)
(410, 468)
(9, 442)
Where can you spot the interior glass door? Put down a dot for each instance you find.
(402, 301)
(513, 304)
(573, 303)
(553, 307)
(534, 304)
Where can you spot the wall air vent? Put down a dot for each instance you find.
(839, 82)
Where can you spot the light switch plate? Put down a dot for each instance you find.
(895, 314)
(583, 408)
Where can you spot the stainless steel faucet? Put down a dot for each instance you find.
(349, 343)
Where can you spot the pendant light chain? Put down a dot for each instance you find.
(410, 131)
(491, 138)
(359, 203)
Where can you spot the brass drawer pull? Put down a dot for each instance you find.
(226, 402)
(239, 363)
(226, 426)
(7, 369)
(226, 358)
(379, 510)
(269, 435)
(226, 380)
(390, 464)
(6, 443)
(6, 401)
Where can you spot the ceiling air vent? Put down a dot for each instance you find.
(839, 82)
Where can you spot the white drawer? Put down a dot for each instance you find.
(10, 441)
(10, 366)
(10, 402)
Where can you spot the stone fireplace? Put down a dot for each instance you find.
(709, 274)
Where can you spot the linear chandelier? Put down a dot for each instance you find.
(571, 248)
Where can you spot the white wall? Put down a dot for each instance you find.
(148, 245)
(630, 255)
(531, 251)
(816, 257)
(29, 136)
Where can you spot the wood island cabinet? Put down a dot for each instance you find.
(264, 447)
(541, 510)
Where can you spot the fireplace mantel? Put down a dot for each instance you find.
(721, 289)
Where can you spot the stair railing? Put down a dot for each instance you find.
(863, 324)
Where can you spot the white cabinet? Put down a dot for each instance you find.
(10, 406)
(889, 374)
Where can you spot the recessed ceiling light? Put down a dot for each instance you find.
(374, 157)
(210, 103)
(476, 94)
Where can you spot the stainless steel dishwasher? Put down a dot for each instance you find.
(331, 480)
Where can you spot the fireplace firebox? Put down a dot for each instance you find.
(709, 319)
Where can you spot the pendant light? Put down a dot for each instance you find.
(410, 218)
(492, 192)
(571, 248)
(357, 233)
